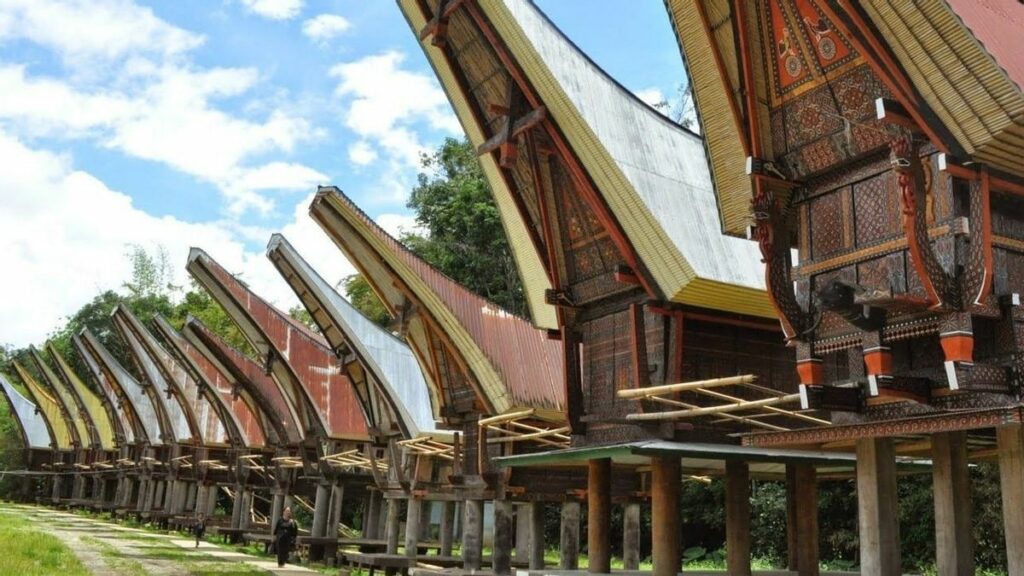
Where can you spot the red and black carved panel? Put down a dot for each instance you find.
(607, 363)
(1008, 215)
(877, 209)
(826, 225)
(883, 273)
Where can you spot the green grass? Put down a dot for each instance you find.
(114, 560)
(26, 551)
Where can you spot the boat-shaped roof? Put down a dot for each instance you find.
(126, 426)
(35, 431)
(93, 404)
(61, 429)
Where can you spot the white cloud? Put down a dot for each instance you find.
(83, 31)
(281, 176)
(274, 9)
(169, 118)
(387, 104)
(361, 153)
(652, 96)
(398, 224)
(324, 27)
(64, 235)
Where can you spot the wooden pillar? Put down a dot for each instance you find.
(236, 508)
(447, 528)
(276, 508)
(472, 534)
(158, 495)
(877, 512)
(536, 520)
(501, 556)
(321, 508)
(569, 545)
(412, 526)
(665, 481)
(246, 517)
(737, 517)
(954, 543)
(599, 515)
(371, 520)
(337, 501)
(426, 507)
(802, 519)
(631, 536)
(1010, 441)
(211, 500)
(392, 525)
(522, 532)
(190, 497)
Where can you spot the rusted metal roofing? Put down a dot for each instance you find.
(177, 424)
(93, 404)
(514, 364)
(650, 172)
(274, 406)
(61, 429)
(164, 372)
(150, 427)
(80, 420)
(393, 368)
(33, 427)
(238, 415)
(124, 425)
(286, 343)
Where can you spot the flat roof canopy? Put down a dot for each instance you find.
(705, 458)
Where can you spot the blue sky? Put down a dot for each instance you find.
(209, 123)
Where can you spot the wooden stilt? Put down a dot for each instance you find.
(536, 520)
(472, 534)
(737, 517)
(501, 557)
(246, 517)
(337, 501)
(276, 507)
(631, 536)
(1010, 440)
(569, 548)
(392, 525)
(876, 498)
(522, 532)
(802, 519)
(599, 515)
(372, 517)
(412, 526)
(321, 508)
(665, 482)
(954, 543)
(447, 528)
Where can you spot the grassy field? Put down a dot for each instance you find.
(27, 551)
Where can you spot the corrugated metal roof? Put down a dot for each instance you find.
(145, 413)
(308, 357)
(387, 358)
(241, 371)
(183, 427)
(652, 173)
(124, 426)
(34, 430)
(79, 417)
(92, 403)
(60, 428)
(234, 411)
(515, 364)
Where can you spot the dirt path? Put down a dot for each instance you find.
(109, 548)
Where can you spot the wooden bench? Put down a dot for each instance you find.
(391, 563)
(260, 537)
(230, 535)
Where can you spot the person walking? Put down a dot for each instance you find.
(199, 528)
(285, 532)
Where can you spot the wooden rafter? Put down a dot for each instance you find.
(428, 447)
(354, 459)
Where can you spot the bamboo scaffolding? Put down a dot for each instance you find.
(685, 386)
(710, 410)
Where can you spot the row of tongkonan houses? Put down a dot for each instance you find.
(824, 281)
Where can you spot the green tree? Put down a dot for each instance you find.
(303, 316)
(361, 295)
(464, 237)
(199, 304)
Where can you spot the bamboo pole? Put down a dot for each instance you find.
(684, 386)
(506, 417)
(530, 436)
(714, 409)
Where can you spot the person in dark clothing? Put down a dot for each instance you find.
(285, 532)
(199, 528)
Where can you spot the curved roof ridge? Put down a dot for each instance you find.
(132, 389)
(91, 401)
(391, 360)
(125, 424)
(521, 367)
(35, 431)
